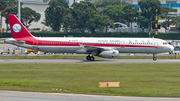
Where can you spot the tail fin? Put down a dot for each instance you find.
(19, 32)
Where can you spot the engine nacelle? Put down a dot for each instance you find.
(109, 54)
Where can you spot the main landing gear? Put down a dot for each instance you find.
(154, 57)
(90, 58)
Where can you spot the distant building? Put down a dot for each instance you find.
(39, 7)
(70, 2)
(174, 14)
(90, 0)
(132, 1)
(36, 1)
(164, 3)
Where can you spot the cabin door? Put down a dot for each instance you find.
(155, 44)
(35, 44)
(122, 44)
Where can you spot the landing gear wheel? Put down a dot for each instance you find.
(88, 58)
(92, 58)
(154, 58)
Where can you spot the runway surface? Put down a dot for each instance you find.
(85, 61)
(37, 96)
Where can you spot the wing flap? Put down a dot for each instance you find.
(93, 48)
(17, 42)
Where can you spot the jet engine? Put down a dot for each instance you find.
(109, 54)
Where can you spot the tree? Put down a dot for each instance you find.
(28, 16)
(107, 22)
(142, 22)
(165, 24)
(176, 21)
(165, 10)
(55, 12)
(94, 23)
(115, 12)
(2, 7)
(149, 8)
(82, 13)
(10, 9)
(104, 3)
(68, 20)
(86, 17)
(12, 3)
(131, 14)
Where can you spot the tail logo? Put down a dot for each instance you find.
(16, 28)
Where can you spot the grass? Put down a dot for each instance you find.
(81, 78)
(3, 43)
(81, 57)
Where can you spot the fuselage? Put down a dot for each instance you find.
(73, 44)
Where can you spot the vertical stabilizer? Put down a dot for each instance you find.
(19, 32)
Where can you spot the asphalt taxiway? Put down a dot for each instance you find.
(85, 61)
(37, 96)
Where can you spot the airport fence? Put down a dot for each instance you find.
(165, 36)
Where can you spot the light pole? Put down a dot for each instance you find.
(19, 10)
(19, 17)
(0, 22)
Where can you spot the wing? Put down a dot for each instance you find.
(85, 49)
(95, 48)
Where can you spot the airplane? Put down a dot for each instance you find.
(102, 47)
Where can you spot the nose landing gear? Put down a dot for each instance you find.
(90, 58)
(154, 57)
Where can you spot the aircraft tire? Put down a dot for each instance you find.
(92, 58)
(88, 58)
(154, 58)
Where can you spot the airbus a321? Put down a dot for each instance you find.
(102, 47)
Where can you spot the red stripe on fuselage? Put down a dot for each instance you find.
(31, 41)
